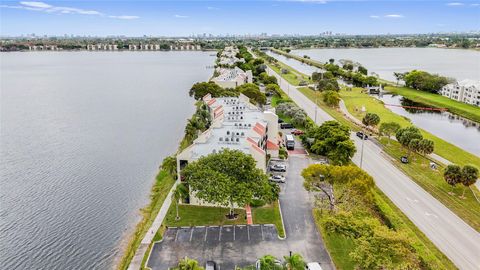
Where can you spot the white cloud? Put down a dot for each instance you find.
(307, 1)
(455, 4)
(374, 16)
(475, 5)
(124, 17)
(35, 4)
(394, 16)
(212, 8)
(44, 7)
(180, 16)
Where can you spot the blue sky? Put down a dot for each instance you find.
(181, 18)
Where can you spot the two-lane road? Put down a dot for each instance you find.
(456, 239)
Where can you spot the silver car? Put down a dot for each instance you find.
(278, 168)
(277, 178)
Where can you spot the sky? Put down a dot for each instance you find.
(184, 18)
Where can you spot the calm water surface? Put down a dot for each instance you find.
(455, 63)
(444, 125)
(82, 135)
(452, 128)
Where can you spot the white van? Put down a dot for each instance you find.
(313, 266)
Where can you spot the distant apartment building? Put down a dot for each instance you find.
(467, 91)
(43, 48)
(232, 77)
(236, 124)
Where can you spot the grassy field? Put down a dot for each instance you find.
(354, 100)
(432, 181)
(192, 215)
(468, 111)
(269, 214)
(163, 184)
(299, 58)
(293, 76)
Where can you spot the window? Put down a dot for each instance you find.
(228, 132)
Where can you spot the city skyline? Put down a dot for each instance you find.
(219, 18)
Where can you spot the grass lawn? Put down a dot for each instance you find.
(468, 111)
(337, 245)
(335, 113)
(163, 184)
(193, 215)
(354, 100)
(269, 214)
(293, 76)
(300, 58)
(432, 181)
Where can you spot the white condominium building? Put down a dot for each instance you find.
(232, 77)
(236, 124)
(467, 91)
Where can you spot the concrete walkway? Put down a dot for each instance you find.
(136, 262)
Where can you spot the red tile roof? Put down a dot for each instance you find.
(271, 145)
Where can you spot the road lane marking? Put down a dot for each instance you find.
(430, 214)
(233, 233)
(206, 232)
(176, 235)
(191, 234)
(261, 229)
(248, 233)
(220, 234)
(411, 200)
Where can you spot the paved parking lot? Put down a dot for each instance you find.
(229, 246)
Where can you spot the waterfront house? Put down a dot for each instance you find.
(236, 124)
(467, 91)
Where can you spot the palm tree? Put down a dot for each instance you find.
(453, 175)
(178, 194)
(469, 177)
(169, 164)
(294, 262)
(188, 264)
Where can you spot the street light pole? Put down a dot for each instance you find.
(361, 152)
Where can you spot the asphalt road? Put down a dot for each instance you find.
(456, 239)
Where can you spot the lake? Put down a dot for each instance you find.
(82, 136)
(456, 63)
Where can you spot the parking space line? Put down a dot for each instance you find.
(233, 233)
(191, 233)
(220, 234)
(176, 234)
(206, 232)
(261, 229)
(248, 233)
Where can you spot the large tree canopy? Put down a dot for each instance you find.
(253, 92)
(424, 81)
(200, 89)
(340, 184)
(332, 140)
(228, 177)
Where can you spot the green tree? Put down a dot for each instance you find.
(188, 264)
(294, 262)
(413, 145)
(332, 140)
(469, 177)
(274, 89)
(362, 70)
(268, 262)
(179, 193)
(253, 92)
(388, 129)
(169, 164)
(425, 147)
(371, 120)
(424, 81)
(331, 98)
(345, 184)
(453, 175)
(405, 135)
(227, 178)
(399, 76)
(199, 90)
(385, 249)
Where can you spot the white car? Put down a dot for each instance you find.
(277, 178)
(313, 266)
(278, 168)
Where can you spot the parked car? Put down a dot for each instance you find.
(286, 125)
(362, 135)
(277, 178)
(278, 168)
(280, 120)
(210, 265)
(404, 159)
(298, 132)
(313, 266)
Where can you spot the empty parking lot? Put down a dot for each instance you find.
(229, 246)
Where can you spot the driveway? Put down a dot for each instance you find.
(232, 246)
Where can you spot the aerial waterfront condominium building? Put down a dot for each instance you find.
(232, 77)
(467, 91)
(236, 124)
